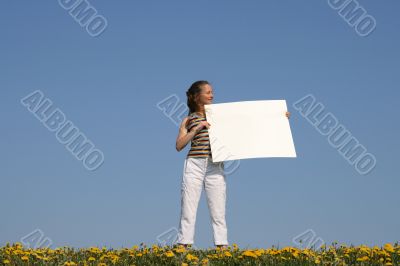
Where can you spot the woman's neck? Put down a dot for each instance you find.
(201, 111)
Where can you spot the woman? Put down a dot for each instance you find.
(199, 170)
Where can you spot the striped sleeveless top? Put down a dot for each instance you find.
(200, 146)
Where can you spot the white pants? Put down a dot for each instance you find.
(199, 172)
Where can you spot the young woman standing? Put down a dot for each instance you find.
(199, 170)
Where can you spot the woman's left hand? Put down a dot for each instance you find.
(288, 114)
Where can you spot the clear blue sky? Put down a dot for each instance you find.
(109, 85)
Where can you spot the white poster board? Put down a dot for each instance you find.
(249, 129)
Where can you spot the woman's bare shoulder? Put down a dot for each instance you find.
(185, 121)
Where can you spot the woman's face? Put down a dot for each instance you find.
(206, 95)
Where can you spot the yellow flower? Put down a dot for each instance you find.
(227, 254)
(95, 250)
(38, 256)
(169, 254)
(114, 258)
(6, 261)
(190, 257)
(24, 258)
(180, 249)
(388, 247)
(69, 263)
(249, 253)
(91, 259)
(364, 248)
(184, 264)
(365, 258)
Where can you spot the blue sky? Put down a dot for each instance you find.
(109, 86)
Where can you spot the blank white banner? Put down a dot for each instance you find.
(249, 129)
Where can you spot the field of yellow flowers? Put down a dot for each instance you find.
(16, 254)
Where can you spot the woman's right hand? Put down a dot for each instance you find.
(185, 136)
(201, 125)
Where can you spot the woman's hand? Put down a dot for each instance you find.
(201, 125)
(184, 136)
(288, 114)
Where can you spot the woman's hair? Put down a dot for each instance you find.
(192, 93)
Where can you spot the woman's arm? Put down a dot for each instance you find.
(185, 136)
